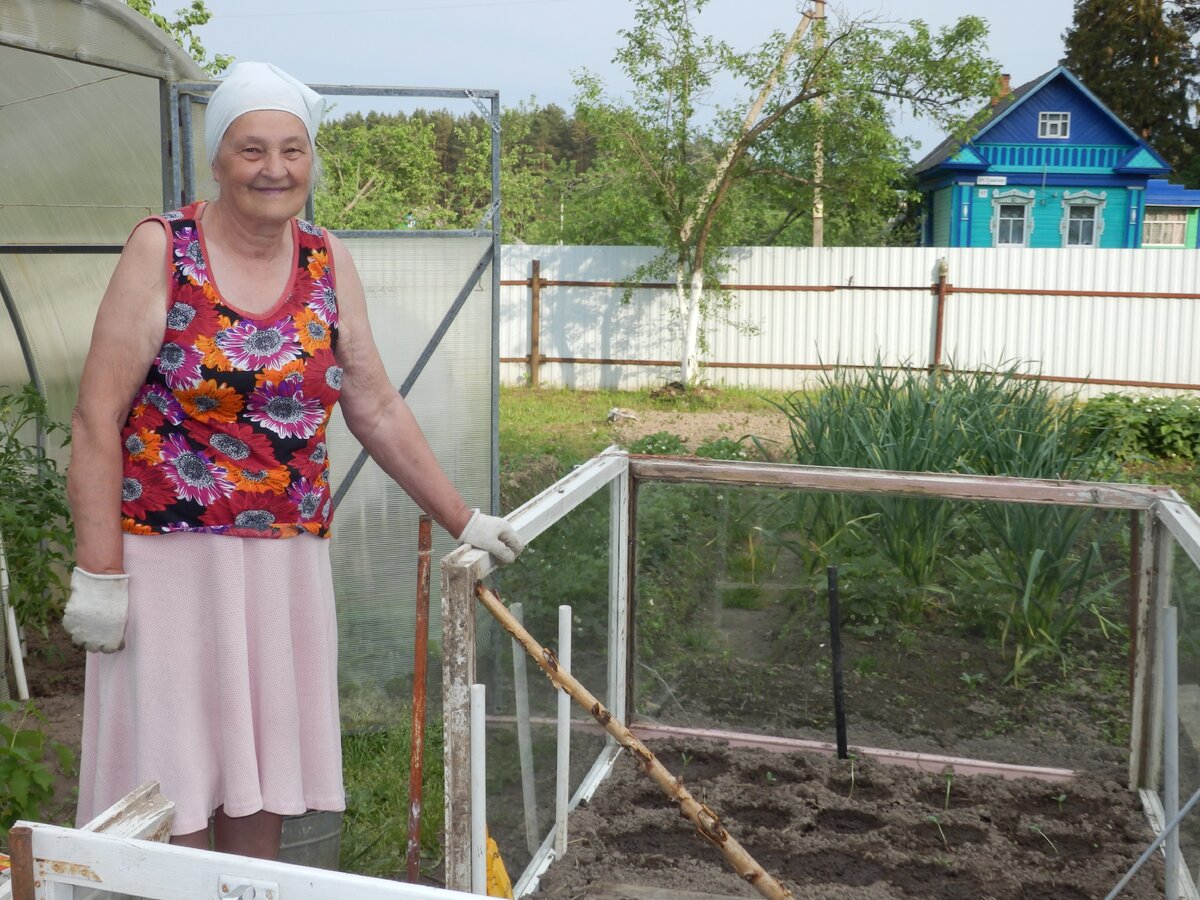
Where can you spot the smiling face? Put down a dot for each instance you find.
(264, 165)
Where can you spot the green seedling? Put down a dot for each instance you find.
(1038, 829)
(1060, 799)
(771, 778)
(949, 776)
(971, 679)
(852, 760)
(938, 823)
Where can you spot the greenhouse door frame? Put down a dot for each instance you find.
(179, 189)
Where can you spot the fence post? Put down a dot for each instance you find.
(535, 324)
(941, 289)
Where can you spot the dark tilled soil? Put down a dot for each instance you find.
(832, 829)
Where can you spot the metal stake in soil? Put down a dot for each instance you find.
(416, 763)
(707, 822)
(835, 647)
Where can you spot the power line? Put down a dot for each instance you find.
(390, 9)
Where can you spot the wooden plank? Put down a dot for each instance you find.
(1145, 737)
(1183, 523)
(991, 488)
(144, 814)
(535, 516)
(458, 674)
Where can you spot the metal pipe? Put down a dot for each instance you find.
(525, 738)
(478, 790)
(20, 847)
(416, 764)
(563, 764)
(1171, 825)
(1170, 638)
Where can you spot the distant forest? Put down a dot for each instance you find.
(430, 169)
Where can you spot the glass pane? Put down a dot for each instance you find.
(566, 565)
(944, 649)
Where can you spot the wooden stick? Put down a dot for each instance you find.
(707, 823)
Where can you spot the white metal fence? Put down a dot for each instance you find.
(1099, 320)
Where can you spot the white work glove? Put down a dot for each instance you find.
(96, 613)
(494, 535)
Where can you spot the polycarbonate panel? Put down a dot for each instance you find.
(105, 32)
(410, 285)
(56, 297)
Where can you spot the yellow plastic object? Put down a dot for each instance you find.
(498, 883)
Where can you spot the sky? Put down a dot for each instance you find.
(530, 49)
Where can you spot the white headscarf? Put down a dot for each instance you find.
(253, 86)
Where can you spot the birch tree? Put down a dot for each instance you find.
(686, 160)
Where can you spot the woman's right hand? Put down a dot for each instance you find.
(96, 613)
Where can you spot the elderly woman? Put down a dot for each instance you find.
(199, 485)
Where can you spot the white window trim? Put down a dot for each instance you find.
(1083, 198)
(1012, 197)
(1064, 123)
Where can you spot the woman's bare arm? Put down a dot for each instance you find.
(126, 339)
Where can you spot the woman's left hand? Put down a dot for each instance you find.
(493, 534)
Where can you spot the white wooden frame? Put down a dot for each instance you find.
(465, 566)
(64, 859)
(1162, 520)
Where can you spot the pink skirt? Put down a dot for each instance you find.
(226, 691)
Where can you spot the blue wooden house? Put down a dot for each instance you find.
(1052, 167)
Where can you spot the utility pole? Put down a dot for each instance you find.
(818, 213)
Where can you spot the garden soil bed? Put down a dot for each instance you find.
(870, 831)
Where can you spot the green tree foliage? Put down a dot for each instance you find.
(1137, 57)
(182, 29)
(432, 169)
(698, 179)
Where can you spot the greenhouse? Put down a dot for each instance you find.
(102, 125)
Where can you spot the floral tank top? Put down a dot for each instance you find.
(227, 434)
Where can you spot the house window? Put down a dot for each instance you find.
(1012, 218)
(1081, 226)
(1054, 125)
(1082, 221)
(1165, 226)
(1010, 229)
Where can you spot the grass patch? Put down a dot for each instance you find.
(375, 827)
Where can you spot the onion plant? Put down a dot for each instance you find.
(1046, 558)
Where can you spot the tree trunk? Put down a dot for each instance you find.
(690, 363)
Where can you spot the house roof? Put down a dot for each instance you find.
(947, 149)
(1160, 192)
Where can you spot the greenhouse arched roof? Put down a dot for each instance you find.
(82, 94)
